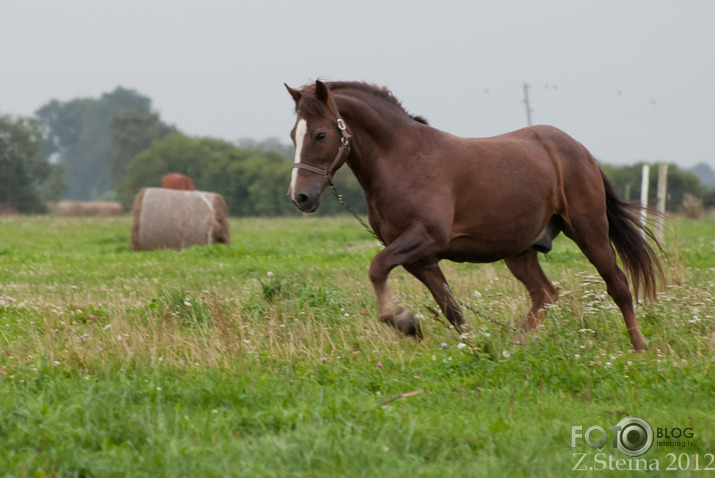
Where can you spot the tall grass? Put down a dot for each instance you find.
(264, 358)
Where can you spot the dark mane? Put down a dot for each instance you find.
(311, 104)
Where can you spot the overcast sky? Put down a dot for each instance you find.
(632, 80)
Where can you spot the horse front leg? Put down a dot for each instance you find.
(391, 314)
(431, 275)
(413, 245)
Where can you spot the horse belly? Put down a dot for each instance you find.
(492, 239)
(469, 249)
(466, 250)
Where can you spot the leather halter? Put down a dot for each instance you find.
(343, 151)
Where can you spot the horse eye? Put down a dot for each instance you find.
(320, 136)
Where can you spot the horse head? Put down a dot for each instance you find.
(321, 144)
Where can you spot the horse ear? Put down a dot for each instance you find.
(321, 91)
(297, 95)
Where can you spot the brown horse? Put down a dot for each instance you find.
(178, 181)
(434, 196)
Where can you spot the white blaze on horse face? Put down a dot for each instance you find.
(301, 129)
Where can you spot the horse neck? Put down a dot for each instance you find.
(377, 131)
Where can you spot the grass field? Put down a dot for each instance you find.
(265, 358)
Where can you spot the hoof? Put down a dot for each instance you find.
(465, 331)
(640, 345)
(408, 324)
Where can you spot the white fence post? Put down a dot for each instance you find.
(644, 194)
(661, 196)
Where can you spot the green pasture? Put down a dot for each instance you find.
(265, 358)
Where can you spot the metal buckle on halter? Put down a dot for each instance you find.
(341, 124)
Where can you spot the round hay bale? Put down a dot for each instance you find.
(172, 219)
(86, 208)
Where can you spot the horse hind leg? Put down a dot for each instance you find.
(527, 269)
(593, 240)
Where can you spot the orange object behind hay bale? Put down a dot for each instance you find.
(178, 181)
(171, 219)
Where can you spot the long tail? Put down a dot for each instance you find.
(628, 236)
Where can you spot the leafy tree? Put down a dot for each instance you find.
(133, 131)
(705, 173)
(627, 181)
(709, 198)
(77, 136)
(214, 165)
(26, 179)
(253, 183)
(268, 145)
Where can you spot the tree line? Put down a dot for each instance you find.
(108, 148)
(253, 182)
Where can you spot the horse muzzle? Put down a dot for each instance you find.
(307, 199)
(306, 203)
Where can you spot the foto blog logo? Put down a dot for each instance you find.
(632, 436)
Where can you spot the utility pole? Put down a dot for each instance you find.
(526, 102)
